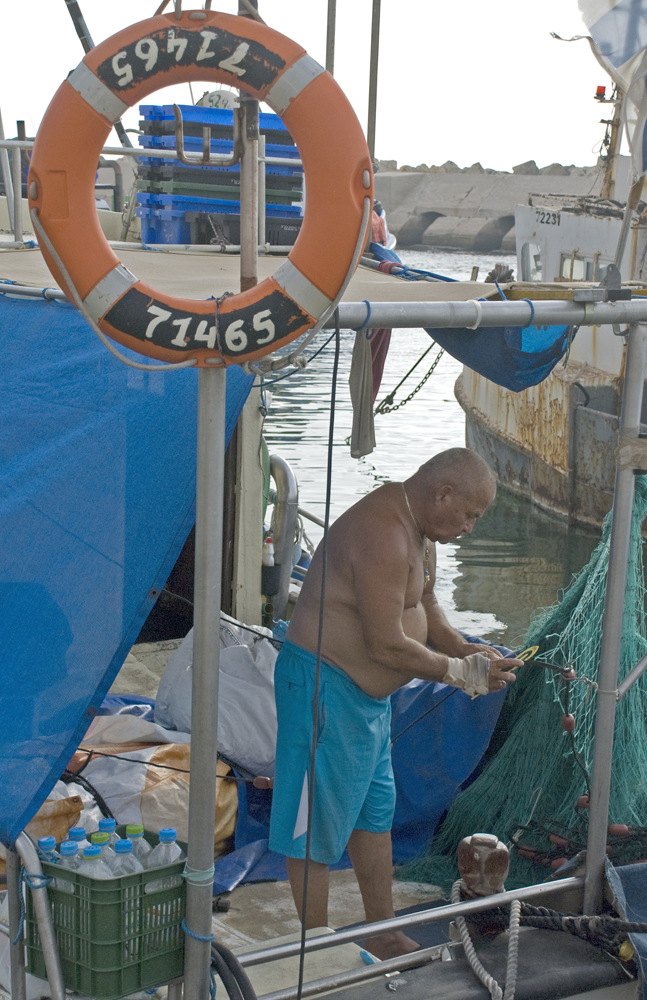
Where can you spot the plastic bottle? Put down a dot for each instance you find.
(141, 847)
(78, 835)
(107, 853)
(109, 826)
(126, 863)
(167, 852)
(93, 864)
(47, 850)
(268, 551)
(69, 854)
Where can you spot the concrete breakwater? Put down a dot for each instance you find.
(473, 209)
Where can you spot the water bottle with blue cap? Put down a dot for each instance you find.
(109, 826)
(69, 858)
(47, 850)
(167, 852)
(78, 835)
(126, 863)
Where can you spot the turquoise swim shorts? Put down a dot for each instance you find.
(354, 787)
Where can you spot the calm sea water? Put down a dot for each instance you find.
(517, 558)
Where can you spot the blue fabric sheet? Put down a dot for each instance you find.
(511, 356)
(439, 736)
(97, 493)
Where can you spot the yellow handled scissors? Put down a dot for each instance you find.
(527, 654)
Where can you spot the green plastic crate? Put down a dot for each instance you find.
(114, 938)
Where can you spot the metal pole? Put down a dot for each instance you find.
(6, 178)
(632, 203)
(262, 232)
(30, 861)
(330, 36)
(632, 677)
(438, 913)
(612, 625)
(85, 38)
(372, 83)
(206, 659)
(16, 166)
(248, 183)
(17, 951)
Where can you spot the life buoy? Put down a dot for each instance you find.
(123, 70)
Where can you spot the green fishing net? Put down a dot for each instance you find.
(528, 792)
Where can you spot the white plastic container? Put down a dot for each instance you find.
(108, 856)
(78, 835)
(109, 826)
(69, 858)
(141, 847)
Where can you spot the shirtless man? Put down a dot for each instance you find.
(380, 618)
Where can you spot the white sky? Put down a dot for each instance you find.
(465, 81)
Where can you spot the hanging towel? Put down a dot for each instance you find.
(362, 439)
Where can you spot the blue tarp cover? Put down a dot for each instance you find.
(97, 492)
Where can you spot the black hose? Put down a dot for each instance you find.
(226, 975)
(236, 970)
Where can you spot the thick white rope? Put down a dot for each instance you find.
(513, 951)
(270, 364)
(80, 305)
(479, 970)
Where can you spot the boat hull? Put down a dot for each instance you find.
(550, 444)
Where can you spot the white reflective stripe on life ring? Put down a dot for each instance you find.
(108, 291)
(97, 95)
(292, 82)
(301, 290)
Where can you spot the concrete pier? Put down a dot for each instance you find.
(473, 209)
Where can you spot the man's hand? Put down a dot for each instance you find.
(477, 647)
(499, 678)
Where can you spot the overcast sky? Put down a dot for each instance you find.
(467, 81)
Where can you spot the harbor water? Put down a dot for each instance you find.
(517, 558)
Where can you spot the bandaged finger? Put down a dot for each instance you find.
(470, 674)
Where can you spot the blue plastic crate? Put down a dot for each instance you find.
(222, 146)
(160, 226)
(206, 116)
(188, 203)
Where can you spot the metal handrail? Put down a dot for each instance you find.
(168, 154)
(448, 912)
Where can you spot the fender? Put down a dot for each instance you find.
(122, 71)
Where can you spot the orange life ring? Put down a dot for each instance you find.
(123, 70)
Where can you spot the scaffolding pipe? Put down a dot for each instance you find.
(160, 154)
(206, 659)
(40, 899)
(612, 622)
(17, 947)
(330, 36)
(261, 191)
(631, 678)
(408, 920)
(372, 82)
(6, 177)
(16, 166)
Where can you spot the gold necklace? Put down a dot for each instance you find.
(423, 537)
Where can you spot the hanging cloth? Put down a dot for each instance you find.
(362, 438)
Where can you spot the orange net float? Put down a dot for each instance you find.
(123, 70)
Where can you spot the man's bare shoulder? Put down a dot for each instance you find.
(376, 518)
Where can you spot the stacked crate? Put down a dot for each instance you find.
(194, 204)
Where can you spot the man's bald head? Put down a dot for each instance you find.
(460, 468)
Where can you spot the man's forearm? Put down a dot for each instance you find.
(440, 634)
(412, 659)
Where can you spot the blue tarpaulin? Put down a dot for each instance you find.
(97, 496)
(511, 356)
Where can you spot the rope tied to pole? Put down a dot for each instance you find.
(479, 970)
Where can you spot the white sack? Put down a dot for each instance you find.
(246, 709)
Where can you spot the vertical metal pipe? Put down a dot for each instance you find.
(16, 166)
(206, 659)
(6, 177)
(612, 625)
(30, 860)
(248, 184)
(262, 231)
(175, 990)
(330, 36)
(372, 83)
(17, 951)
